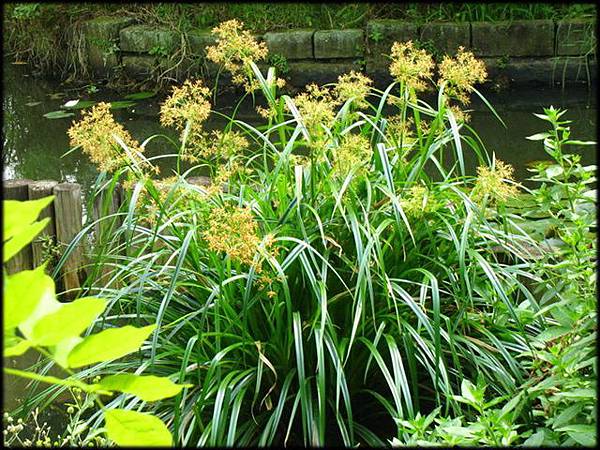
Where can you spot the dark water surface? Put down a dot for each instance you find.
(34, 147)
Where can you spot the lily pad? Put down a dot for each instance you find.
(58, 114)
(79, 104)
(140, 95)
(121, 104)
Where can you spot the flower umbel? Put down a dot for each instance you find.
(188, 102)
(316, 106)
(234, 231)
(235, 49)
(410, 65)
(493, 183)
(354, 152)
(416, 202)
(95, 134)
(461, 74)
(353, 85)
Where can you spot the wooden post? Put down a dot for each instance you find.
(68, 212)
(18, 190)
(40, 189)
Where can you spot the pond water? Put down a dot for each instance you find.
(36, 147)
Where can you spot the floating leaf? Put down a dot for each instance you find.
(149, 388)
(70, 103)
(58, 115)
(80, 104)
(108, 345)
(140, 95)
(33, 103)
(121, 104)
(68, 321)
(131, 428)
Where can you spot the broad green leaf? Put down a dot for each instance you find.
(121, 104)
(538, 136)
(149, 388)
(17, 214)
(61, 351)
(554, 171)
(54, 380)
(467, 390)
(130, 428)
(535, 440)
(17, 349)
(23, 238)
(23, 292)
(58, 115)
(108, 345)
(68, 321)
(13, 344)
(584, 438)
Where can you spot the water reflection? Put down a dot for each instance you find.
(37, 148)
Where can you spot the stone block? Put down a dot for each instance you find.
(139, 66)
(148, 39)
(446, 37)
(199, 40)
(575, 37)
(548, 71)
(339, 44)
(302, 73)
(381, 34)
(516, 38)
(293, 44)
(102, 39)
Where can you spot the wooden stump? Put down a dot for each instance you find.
(18, 190)
(68, 210)
(40, 189)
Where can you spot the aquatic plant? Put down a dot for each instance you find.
(346, 280)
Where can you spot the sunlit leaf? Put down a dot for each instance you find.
(18, 214)
(149, 388)
(23, 292)
(68, 321)
(108, 345)
(131, 428)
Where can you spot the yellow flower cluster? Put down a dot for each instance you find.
(95, 135)
(316, 106)
(459, 114)
(416, 203)
(410, 65)
(233, 230)
(399, 130)
(493, 183)
(354, 152)
(460, 74)
(235, 49)
(353, 85)
(188, 102)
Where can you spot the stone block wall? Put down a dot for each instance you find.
(531, 51)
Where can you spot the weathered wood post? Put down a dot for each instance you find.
(18, 190)
(68, 211)
(41, 189)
